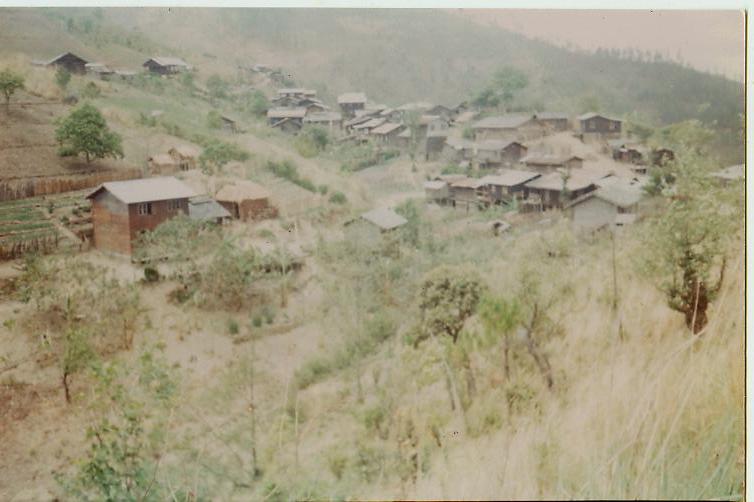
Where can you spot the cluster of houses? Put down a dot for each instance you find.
(159, 65)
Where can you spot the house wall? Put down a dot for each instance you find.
(592, 214)
(249, 209)
(601, 125)
(160, 213)
(71, 63)
(110, 220)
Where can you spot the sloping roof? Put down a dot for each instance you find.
(510, 121)
(323, 117)
(168, 61)
(357, 120)
(465, 117)
(458, 143)
(539, 159)
(386, 219)
(146, 190)
(286, 113)
(509, 178)
(242, 190)
(619, 195)
(468, 183)
(162, 159)
(592, 115)
(554, 181)
(189, 151)
(551, 116)
(736, 172)
(59, 56)
(204, 207)
(406, 133)
(370, 124)
(420, 105)
(352, 98)
(386, 128)
(494, 144)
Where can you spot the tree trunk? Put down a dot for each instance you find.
(66, 388)
(540, 359)
(506, 357)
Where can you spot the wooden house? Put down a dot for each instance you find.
(495, 153)
(370, 227)
(508, 127)
(457, 150)
(552, 122)
(228, 124)
(161, 164)
(467, 192)
(364, 128)
(436, 191)
(287, 119)
(603, 206)
(99, 70)
(554, 190)
(387, 133)
(508, 184)
(661, 156)
(349, 102)
(599, 125)
(297, 93)
(122, 210)
(246, 201)
(332, 121)
(68, 61)
(166, 65)
(440, 111)
(187, 156)
(547, 163)
(434, 144)
(630, 153)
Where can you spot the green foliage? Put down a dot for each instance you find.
(217, 153)
(77, 355)
(258, 104)
(179, 238)
(690, 136)
(355, 157)
(187, 81)
(338, 198)
(151, 274)
(687, 244)
(62, 77)
(9, 83)
(217, 87)
(85, 131)
(506, 82)
(311, 141)
(449, 295)
(287, 170)
(232, 326)
(213, 119)
(467, 133)
(410, 232)
(91, 91)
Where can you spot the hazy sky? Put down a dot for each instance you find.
(707, 40)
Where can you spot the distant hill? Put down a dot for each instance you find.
(393, 55)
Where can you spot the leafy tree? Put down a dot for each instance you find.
(449, 295)
(687, 244)
(258, 104)
(77, 355)
(213, 119)
(91, 91)
(218, 153)
(499, 318)
(486, 98)
(217, 87)
(62, 77)
(507, 81)
(187, 80)
(689, 136)
(85, 131)
(9, 83)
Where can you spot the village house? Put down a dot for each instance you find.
(611, 204)
(287, 119)
(547, 163)
(229, 124)
(331, 120)
(509, 127)
(186, 156)
(552, 122)
(349, 102)
(429, 124)
(594, 124)
(387, 133)
(206, 209)
(440, 111)
(166, 65)
(162, 164)
(467, 192)
(365, 128)
(297, 93)
(631, 153)
(436, 191)
(507, 185)
(122, 210)
(68, 61)
(349, 125)
(245, 200)
(495, 153)
(434, 144)
(408, 109)
(370, 227)
(553, 190)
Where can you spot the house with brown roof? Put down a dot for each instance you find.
(506, 185)
(387, 132)
(164, 65)
(246, 200)
(552, 121)
(122, 210)
(457, 150)
(467, 191)
(518, 126)
(599, 125)
(287, 119)
(349, 102)
(370, 227)
(162, 163)
(553, 190)
(333, 121)
(186, 156)
(547, 163)
(69, 61)
(495, 153)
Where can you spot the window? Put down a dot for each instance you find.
(145, 208)
(173, 205)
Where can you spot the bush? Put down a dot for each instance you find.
(151, 274)
(323, 189)
(91, 91)
(287, 170)
(338, 198)
(213, 119)
(232, 327)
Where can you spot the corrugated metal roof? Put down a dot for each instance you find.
(494, 144)
(510, 177)
(554, 181)
(386, 128)
(242, 190)
(592, 115)
(385, 218)
(146, 190)
(323, 117)
(370, 124)
(204, 207)
(467, 183)
(511, 121)
(168, 61)
(352, 98)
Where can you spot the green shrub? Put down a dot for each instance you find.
(213, 119)
(91, 91)
(323, 189)
(338, 198)
(151, 274)
(232, 326)
(287, 170)
(256, 321)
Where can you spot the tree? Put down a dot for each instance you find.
(9, 83)
(85, 131)
(507, 81)
(687, 244)
(217, 87)
(77, 355)
(214, 121)
(258, 104)
(449, 295)
(218, 153)
(62, 77)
